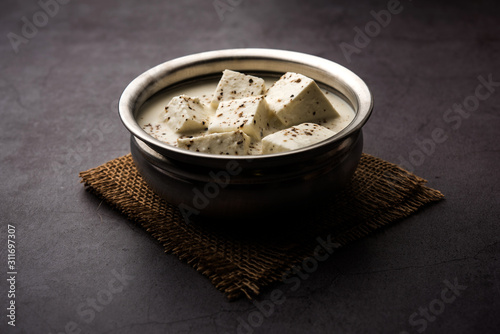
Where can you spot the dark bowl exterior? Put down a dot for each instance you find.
(247, 187)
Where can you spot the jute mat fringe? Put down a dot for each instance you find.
(242, 261)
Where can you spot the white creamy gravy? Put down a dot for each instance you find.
(149, 114)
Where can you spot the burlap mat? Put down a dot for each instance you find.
(243, 259)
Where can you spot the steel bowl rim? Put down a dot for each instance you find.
(128, 103)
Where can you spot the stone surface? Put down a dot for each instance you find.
(58, 106)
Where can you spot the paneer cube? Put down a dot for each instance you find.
(250, 115)
(235, 142)
(186, 114)
(295, 137)
(296, 99)
(234, 85)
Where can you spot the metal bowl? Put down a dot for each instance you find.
(234, 186)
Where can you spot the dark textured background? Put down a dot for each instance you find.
(58, 105)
